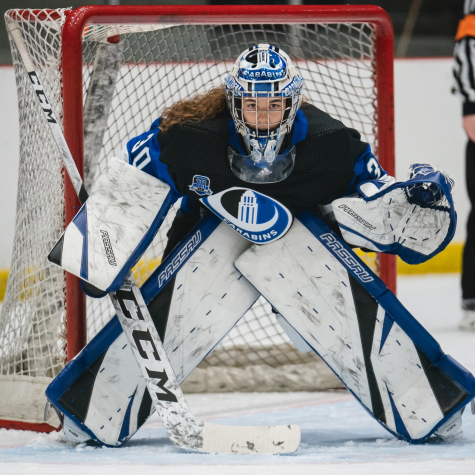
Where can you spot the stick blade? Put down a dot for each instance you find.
(248, 440)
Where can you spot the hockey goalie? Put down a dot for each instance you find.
(275, 196)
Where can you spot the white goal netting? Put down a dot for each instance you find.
(126, 84)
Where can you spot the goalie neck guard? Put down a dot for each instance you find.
(263, 93)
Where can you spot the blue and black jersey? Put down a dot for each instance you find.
(192, 158)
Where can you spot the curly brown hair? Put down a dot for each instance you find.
(199, 107)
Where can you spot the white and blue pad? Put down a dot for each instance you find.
(414, 219)
(114, 227)
(346, 314)
(195, 297)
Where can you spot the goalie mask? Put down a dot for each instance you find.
(263, 93)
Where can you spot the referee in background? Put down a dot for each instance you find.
(464, 74)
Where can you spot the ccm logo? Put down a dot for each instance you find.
(42, 97)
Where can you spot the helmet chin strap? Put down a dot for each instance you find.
(265, 148)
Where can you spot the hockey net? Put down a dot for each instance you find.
(129, 73)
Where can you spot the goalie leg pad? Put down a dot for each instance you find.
(347, 315)
(196, 296)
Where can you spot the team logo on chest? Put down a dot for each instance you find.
(255, 216)
(200, 185)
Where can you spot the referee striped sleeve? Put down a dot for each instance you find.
(464, 72)
(469, 7)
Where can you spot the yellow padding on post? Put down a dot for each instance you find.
(3, 282)
(143, 270)
(449, 260)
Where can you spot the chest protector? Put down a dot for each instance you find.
(196, 156)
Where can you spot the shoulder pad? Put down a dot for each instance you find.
(327, 147)
(199, 146)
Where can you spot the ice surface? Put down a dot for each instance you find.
(338, 437)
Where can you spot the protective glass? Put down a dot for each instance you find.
(261, 171)
(263, 119)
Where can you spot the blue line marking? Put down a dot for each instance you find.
(299, 293)
(315, 311)
(195, 269)
(181, 285)
(124, 346)
(398, 343)
(211, 251)
(224, 296)
(208, 312)
(327, 267)
(281, 275)
(193, 330)
(343, 283)
(331, 327)
(101, 370)
(311, 250)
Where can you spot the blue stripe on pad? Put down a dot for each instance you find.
(84, 359)
(124, 430)
(80, 221)
(179, 256)
(387, 325)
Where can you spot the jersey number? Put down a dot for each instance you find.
(373, 168)
(142, 159)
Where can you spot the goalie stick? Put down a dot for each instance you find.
(181, 425)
